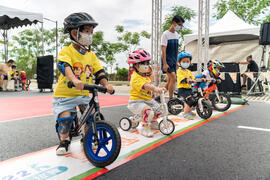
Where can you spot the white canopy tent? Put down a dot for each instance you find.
(11, 18)
(230, 40)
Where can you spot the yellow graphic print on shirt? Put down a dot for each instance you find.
(137, 90)
(88, 72)
(79, 63)
(78, 70)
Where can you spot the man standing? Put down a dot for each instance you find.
(4, 69)
(252, 67)
(169, 45)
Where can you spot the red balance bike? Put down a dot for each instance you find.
(220, 101)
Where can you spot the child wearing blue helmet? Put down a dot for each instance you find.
(184, 80)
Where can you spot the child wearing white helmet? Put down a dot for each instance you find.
(211, 73)
(140, 101)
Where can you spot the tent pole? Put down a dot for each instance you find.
(56, 48)
(206, 34)
(42, 38)
(199, 45)
(6, 45)
(4, 36)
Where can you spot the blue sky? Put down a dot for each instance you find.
(135, 15)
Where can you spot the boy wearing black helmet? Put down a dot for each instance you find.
(80, 27)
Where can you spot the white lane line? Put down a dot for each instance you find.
(254, 128)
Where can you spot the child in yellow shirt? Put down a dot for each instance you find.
(184, 80)
(140, 101)
(72, 61)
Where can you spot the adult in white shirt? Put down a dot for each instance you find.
(169, 45)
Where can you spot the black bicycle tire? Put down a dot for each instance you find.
(175, 101)
(117, 146)
(173, 127)
(208, 107)
(226, 107)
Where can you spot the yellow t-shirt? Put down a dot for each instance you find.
(83, 66)
(11, 74)
(137, 91)
(182, 74)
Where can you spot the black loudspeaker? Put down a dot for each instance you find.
(45, 72)
(228, 85)
(265, 34)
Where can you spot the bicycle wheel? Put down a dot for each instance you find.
(125, 124)
(168, 128)
(108, 147)
(206, 111)
(224, 103)
(175, 106)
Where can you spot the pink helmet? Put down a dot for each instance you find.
(137, 56)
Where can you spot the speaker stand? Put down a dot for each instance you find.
(262, 63)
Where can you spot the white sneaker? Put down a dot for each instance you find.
(154, 125)
(63, 147)
(146, 131)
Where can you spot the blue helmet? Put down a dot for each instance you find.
(183, 54)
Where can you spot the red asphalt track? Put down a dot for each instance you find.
(27, 107)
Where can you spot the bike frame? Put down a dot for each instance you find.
(208, 91)
(93, 105)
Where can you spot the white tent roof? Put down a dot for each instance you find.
(10, 18)
(228, 29)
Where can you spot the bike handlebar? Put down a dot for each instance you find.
(206, 80)
(91, 87)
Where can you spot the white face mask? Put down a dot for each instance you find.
(143, 68)
(177, 27)
(85, 39)
(185, 65)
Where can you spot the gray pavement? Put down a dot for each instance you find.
(29, 135)
(216, 150)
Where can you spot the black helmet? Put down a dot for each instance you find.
(75, 20)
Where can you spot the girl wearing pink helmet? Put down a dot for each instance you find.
(140, 101)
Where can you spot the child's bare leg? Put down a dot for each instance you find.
(187, 109)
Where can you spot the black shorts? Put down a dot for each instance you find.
(184, 92)
(5, 77)
(171, 68)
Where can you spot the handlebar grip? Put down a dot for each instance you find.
(112, 92)
(70, 84)
(90, 87)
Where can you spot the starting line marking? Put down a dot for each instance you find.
(253, 128)
(45, 164)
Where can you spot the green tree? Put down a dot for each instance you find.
(187, 13)
(122, 74)
(251, 11)
(105, 50)
(64, 39)
(131, 40)
(27, 45)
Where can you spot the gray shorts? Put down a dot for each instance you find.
(137, 106)
(62, 104)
